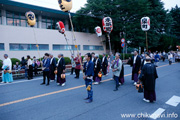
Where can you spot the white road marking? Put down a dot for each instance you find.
(173, 101)
(157, 113)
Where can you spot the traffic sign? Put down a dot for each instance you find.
(123, 40)
(122, 44)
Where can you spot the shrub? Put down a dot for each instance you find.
(82, 57)
(1, 64)
(100, 57)
(67, 60)
(14, 60)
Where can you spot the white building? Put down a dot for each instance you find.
(17, 39)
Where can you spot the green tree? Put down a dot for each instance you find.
(126, 15)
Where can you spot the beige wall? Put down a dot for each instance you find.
(12, 34)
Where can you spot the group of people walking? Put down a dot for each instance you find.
(143, 70)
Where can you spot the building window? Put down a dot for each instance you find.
(65, 47)
(25, 47)
(92, 47)
(1, 46)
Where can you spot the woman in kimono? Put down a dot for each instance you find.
(7, 67)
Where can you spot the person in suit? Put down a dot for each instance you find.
(97, 69)
(93, 59)
(136, 66)
(89, 73)
(46, 64)
(104, 64)
(52, 67)
(60, 70)
(30, 68)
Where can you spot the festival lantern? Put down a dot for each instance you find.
(55, 72)
(63, 76)
(100, 74)
(61, 27)
(108, 27)
(145, 26)
(65, 5)
(145, 23)
(98, 31)
(31, 19)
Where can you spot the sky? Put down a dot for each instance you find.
(77, 4)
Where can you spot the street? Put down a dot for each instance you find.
(28, 100)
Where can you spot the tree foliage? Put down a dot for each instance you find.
(126, 15)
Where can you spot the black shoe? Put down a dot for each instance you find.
(47, 84)
(42, 83)
(115, 89)
(86, 98)
(89, 101)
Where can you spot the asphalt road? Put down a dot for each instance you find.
(28, 100)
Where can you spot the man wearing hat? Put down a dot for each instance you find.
(60, 70)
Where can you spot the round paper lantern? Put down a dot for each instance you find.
(100, 74)
(145, 23)
(63, 76)
(107, 24)
(55, 72)
(31, 19)
(61, 27)
(98, 31)
(65, 5)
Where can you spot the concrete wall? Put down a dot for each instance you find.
(12, 34)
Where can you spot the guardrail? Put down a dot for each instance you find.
(21, 73)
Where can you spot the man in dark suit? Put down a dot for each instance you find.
(97, 69)
(136, 66)
(93, 59)
(46, 64)
(52, 67)
(60, 70)
(104, 64)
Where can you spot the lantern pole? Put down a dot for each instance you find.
(74, 37)
(146, 42)
(109, 41)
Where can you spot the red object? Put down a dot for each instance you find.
(107, 24)
(61, 27)
(77, 61)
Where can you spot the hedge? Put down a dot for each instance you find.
(14, 60)
(66, 59)
(1, 64)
